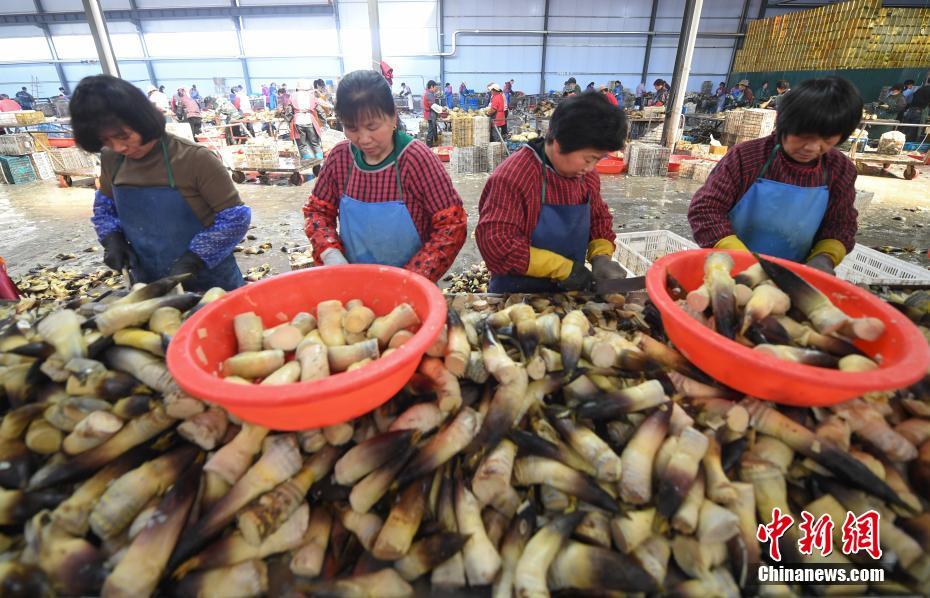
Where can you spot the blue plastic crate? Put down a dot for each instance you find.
(914, 146)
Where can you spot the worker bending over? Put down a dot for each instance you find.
(393, 200)
(541, 212)
(790, 194)
(165, 205)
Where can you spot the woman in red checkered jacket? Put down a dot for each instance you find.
(390, 195)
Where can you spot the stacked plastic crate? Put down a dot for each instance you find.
(15, 164)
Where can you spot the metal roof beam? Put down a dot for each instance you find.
(149, 14)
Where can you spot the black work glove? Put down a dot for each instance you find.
(117, 254)
(188, 263)
(580, 279)
(822, 262)
(605, 268)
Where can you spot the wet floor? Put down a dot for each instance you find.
(43, 223)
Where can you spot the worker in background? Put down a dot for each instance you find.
(541, 214)
(915, 113)
(618, 92)
(590, 87)
(508, 91)
(721, 94)
(660, 98)
(283, 96)
(789, 194)
(746, 98)
(165, 205)
(640, 92)
(8, 105)
(387, 71)
(273, 96)
(781, 88)
(909, 89)
(406, 94)
(603, 89)
(763, 94)
(429, 98)
(497, 111)
(189, 111)
(195, 95)
(447, 92)
(158, 99)
(463, 91)
(896, 102)
(571, 87)
(25, 99)
(390, 195)
(306, 129)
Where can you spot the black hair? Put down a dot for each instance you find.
(319, 83)
(897, 87)
(431, 84)
(765, 83)
(782, 84)
(103, 103)
(24, 87)
(906, 82)
(826, 107)
(586, 121)
(361, 94)
(658, 82)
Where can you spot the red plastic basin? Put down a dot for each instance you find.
(905, 354)
(61, 141)
(207, 338)
(610, 165)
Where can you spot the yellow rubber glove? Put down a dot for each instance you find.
(600, 247)
(833, 248)
(548, 264)
(731, 242)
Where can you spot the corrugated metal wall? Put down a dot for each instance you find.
(285, 48)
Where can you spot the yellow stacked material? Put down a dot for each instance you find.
(849, 35)
(30, 117)
(463, 134)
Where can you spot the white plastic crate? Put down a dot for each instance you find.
(864, 265)
(637, 251)
(43, 165)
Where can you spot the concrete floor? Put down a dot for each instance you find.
(42, 221)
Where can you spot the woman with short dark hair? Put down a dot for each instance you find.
(165, 206)
(789, 194)
(390, 195)
(541, 215)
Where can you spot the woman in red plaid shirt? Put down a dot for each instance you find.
(789, 194)
(541, 213)
(392, 198)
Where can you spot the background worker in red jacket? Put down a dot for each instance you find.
(430, 97)
(390, 195)
(790, 194)
(541, 214)
(605, 91)
(497, 110)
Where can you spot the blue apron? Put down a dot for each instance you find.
(780, 219)
(562, 229)
(377, 233)
(159, 225)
